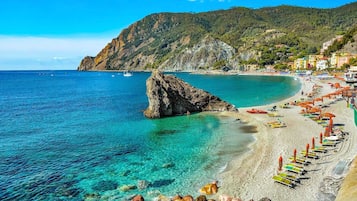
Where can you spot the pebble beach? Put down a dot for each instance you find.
(249, 177)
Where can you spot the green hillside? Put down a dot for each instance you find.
(276, 33)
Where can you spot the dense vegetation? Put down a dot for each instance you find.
(279, 34)
(295, 31)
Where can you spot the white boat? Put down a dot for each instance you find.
(351, 75)
(127, 74)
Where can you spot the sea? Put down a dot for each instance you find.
(69, 135)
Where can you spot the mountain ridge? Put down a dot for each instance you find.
(160, 40)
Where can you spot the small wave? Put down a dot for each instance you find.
(223, 168)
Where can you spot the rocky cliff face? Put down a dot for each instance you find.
(170, 96)
(201, 56)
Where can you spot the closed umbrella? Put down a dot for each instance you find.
(294, 156)
(313, 143)
(280, 163)
(327, 131)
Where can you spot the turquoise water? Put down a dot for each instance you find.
(67, 135)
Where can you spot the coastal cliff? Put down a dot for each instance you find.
(224, 38)
(170, 96)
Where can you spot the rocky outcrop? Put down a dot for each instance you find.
(202, 56)
(170, 96)
(87, 63)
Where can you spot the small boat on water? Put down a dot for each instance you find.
(127, 74)
(257, 111)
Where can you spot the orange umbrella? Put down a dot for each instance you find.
(313, 143)
(314, 109)
(307, 106)
(328, 114)
(330, 125)
(308, 102)
(307, 149)
(320, 138)
(327, 96)
(280, 163)
(294, 156)
(319, 99)
(337, 85)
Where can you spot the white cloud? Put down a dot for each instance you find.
(31, 51)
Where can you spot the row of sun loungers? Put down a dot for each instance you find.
(295, 169)
(288, 179)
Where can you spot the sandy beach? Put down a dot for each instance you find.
(250, 176)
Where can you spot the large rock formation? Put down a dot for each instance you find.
(170, 96)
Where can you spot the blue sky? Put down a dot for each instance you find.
(57, 34)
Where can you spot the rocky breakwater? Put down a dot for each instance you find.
(171, 96)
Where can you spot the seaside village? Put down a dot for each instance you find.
(320, 62)
(338, 61)
(330, 143)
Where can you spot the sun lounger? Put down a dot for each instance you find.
(284, 106)
(332, 138)
(280, 125)
(273, 122)
(327, 143)
(302, 161)
(295, 165)
(284, 181)
(273, 114)
(321, 122)
(289, 177)
(310, 154)
(319, 149)
(292, 168)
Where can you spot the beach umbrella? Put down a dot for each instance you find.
(307, 106)
(307, 149)
(280, 163)
(314, 109)
(319, 99)
(328, 114)
(309, 102)
(313, 143)
(320, 138)
(337, 85)
(294, 156)
(327, 96)
(330, 125)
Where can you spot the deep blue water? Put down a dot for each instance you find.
(67, 135)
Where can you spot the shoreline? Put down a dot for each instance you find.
(249, 176)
